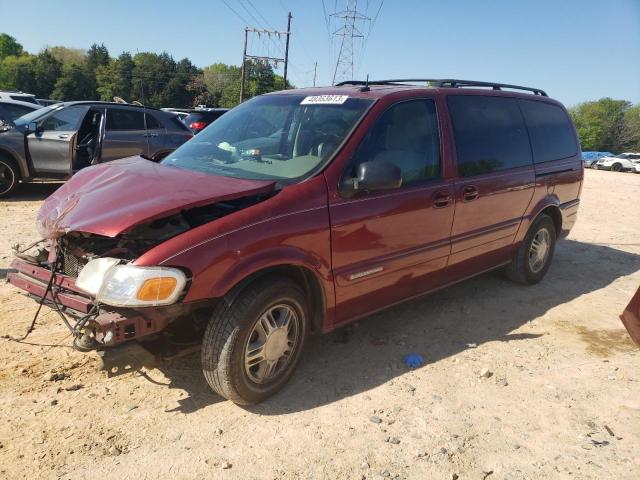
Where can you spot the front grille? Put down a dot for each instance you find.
(71, 265)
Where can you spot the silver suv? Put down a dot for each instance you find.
(54, 142)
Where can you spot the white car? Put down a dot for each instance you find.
(18, 96)
(619, 163)
(636, 167)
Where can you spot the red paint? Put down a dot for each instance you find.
(113, 197)
(411, 240)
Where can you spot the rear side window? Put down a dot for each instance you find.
(179, 124)
(152, 123)
(16, 111)
(550, 130)
(490, 134)
(406, 135)
(122, 119)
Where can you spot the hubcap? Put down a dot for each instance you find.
(271, 343)
(6, 178)
(539, 251)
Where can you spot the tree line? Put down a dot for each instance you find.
(153, 79)
(608, 125)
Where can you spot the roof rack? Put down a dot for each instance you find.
(445, 83)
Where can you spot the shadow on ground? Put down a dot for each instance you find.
(438, 326)
(27, 192)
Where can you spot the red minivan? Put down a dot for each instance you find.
(300, 211)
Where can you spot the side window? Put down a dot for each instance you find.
(152, 123)
(16, 111)
(65, 120)
(552, 137)
(123, 119)
(490, 134)
(406, 135)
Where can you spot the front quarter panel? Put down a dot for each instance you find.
(291, 228)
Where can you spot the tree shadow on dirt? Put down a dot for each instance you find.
(27, 192)
(438, 326)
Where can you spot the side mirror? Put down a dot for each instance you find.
(374, 176)
(33, 127)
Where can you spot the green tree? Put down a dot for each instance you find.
(46, 70)
(17, 72)
(600, 123)
(629, 138)
(68, 55)
(74, 84)
(9, 46)
(97, 56)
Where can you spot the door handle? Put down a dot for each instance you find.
(441, 199)
(63, 136)
(470, 192)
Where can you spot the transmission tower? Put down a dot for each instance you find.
(348, 31)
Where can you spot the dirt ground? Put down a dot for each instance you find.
(563, 400)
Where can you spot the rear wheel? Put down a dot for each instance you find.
(9, 176)
(535, 253)
(616, 167)
(253, 343)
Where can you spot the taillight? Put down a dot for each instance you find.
(197, 125)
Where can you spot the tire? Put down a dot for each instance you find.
(238, 324)
(616, 167)
(9, 176)
(525, 268)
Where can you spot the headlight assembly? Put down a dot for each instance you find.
(130, 285)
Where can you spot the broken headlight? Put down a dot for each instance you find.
(130, 285)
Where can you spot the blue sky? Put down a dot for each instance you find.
(577, 50)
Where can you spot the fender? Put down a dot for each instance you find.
(549, 200)
(22, 164)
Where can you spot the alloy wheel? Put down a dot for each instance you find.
(539, 250)
(271, 343)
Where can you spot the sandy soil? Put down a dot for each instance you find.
(563, 400)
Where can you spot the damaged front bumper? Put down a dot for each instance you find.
(106, 327)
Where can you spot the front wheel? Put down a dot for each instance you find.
(616, 167)
(533, 258)
(9, 177)
(253, 343)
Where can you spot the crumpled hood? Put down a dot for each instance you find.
(113, 197)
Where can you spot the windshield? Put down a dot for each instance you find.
(622, 155)
(276, 137)
(32, 116)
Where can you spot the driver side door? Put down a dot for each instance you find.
(51, 146)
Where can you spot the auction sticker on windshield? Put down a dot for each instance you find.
(325, 100)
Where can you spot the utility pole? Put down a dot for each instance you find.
(242, 69)
(315, 71)
(286, 50)
(276, 60)
(348, 31)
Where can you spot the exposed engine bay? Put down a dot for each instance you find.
(78, 248)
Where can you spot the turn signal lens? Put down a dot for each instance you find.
(159, 288)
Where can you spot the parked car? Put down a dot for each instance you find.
(12, 109)
(181, 113)
(591, 158)
(618, 163)
(301, 211)
(56, 141)
(46, 102)
(635, 168)
(18, 95)
(199, 119)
